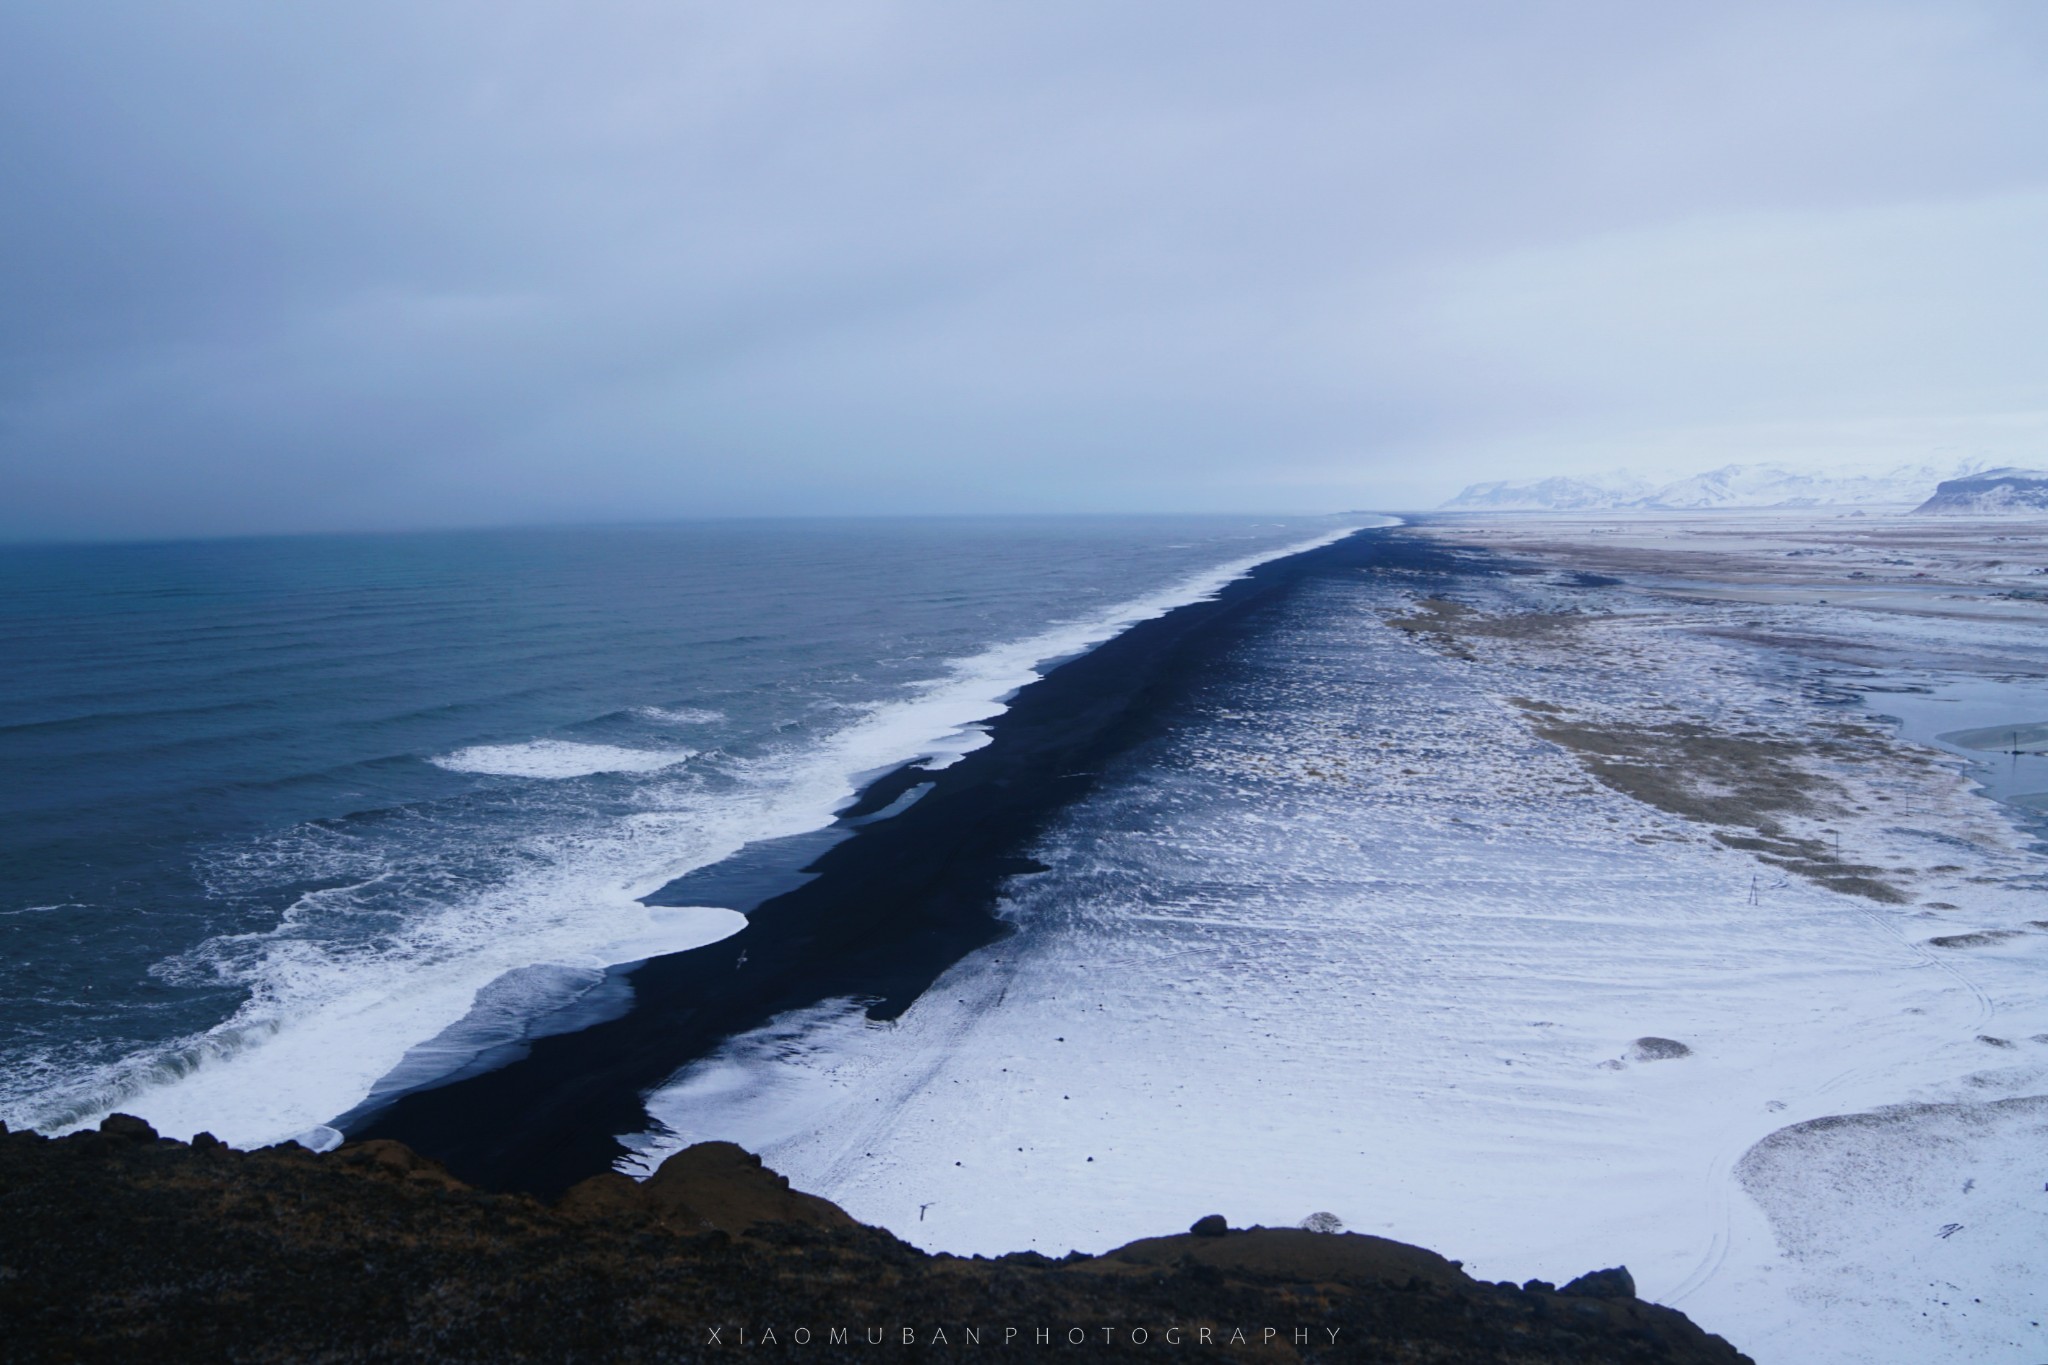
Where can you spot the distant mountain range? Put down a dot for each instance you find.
(1735, 485)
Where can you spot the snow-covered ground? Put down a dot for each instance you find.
(1354, 937)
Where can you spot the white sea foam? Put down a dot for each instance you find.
(679, 715)
(326, 1020)
(558, 758)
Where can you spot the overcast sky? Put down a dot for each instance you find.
(307, 266)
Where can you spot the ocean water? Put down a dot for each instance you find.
(290, 823)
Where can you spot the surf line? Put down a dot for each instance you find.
(879, 914)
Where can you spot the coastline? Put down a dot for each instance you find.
(1543, 904)
(879, 915)
(423, 888)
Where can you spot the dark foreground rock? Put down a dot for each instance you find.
(119, 1245)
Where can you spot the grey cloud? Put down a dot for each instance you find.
(301, 267)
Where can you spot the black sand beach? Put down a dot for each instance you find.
(887, 908)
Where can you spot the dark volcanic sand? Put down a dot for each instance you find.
(891, 906)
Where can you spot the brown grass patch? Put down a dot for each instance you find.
(1442, 617)
(1741, 783)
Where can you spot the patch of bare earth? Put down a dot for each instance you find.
(1759, 792)
(1738, 783)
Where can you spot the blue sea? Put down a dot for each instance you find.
(280, 813)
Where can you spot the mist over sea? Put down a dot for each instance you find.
(279, 812)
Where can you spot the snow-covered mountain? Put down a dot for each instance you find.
(1735, 485)
(1991, 490)
(1556, 494)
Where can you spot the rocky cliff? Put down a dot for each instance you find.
(120, 1245)
(1991, 492)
